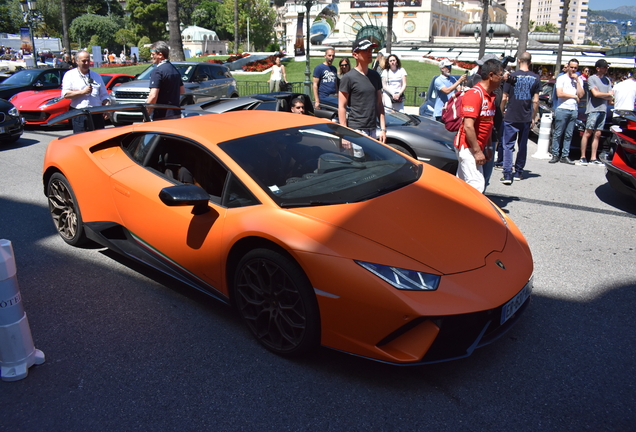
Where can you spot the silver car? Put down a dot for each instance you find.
(202, 81)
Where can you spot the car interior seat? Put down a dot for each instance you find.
(282, 105)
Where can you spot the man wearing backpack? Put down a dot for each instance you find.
(445, 85)
(474, 136)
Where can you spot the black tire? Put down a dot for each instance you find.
(400, 148)
(277, 301)
(65, 211)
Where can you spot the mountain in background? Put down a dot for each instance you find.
(609, 34)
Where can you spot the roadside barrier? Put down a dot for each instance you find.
(17, 353)
(543, 143)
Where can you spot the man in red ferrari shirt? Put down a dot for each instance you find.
(478, 112)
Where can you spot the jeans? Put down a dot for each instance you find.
(564, 120)
(515, 132)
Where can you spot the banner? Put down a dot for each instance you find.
(385, 3)
(26, 43)
(299, 46)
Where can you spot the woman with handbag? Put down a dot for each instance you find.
(277, 75)
(393, 83)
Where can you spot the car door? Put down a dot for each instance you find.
(185, 240)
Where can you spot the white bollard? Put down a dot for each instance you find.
(17, 353)
(543, 143)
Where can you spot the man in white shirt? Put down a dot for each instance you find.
(569, 91)
(625, 93)
(84, 88)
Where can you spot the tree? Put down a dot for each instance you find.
(144, 52)
(176, 45)
(262, 19)
(10, 16)
(546, 28)
(126, 38)
(86, 26)
(627, 40)
(207, 15)
(149, 18)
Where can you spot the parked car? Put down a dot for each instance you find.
(270, 212)
(621, 169)
(38, 107)
(11, 126)
(418, 137)
(202, 81)
(31, 79)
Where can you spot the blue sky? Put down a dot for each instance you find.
(607, 4)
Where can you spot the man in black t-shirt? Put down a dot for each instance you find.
(522, 100)
(166, 86)
(361, 90)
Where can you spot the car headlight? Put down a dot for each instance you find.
(51, 102)
(13, 112)
(402, 279)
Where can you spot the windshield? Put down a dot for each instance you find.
(185, 70)
(395, 118)
(320, 165)
(21, 78)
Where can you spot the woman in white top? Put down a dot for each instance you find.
(278, 72)
(393, 83)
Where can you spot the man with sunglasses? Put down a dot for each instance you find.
(166, 86)
(569, 91)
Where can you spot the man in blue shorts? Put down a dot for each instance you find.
(166, 86)
(600, 87)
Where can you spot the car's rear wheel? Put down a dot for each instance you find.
(65, 211)
(277, 301)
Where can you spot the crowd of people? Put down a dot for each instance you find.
(498, 108)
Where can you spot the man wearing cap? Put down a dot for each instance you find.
(569, 91)
(445, 86)
(361, 90)
(325, 78)
(600, 87)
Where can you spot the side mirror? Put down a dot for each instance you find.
(186, 195)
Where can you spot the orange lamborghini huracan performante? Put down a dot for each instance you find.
(316, 234)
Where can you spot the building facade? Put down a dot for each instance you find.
(550, 11)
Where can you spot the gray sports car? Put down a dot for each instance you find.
(419, 137)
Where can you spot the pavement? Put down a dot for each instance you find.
(128, 349)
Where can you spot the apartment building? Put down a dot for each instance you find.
(550, 11)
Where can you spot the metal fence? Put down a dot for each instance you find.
(411, 94)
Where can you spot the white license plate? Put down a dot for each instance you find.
(513, 305)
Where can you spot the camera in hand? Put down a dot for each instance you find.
(511, 79)
(90, 81)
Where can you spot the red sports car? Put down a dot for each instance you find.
(37, 107)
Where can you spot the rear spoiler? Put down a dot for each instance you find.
(105, 109)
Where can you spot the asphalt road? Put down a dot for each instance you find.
(127, 349)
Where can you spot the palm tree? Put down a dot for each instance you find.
(176, 46)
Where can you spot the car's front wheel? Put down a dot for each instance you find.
(277, 301)
(65, 211)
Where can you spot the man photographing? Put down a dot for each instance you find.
(85, 88)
